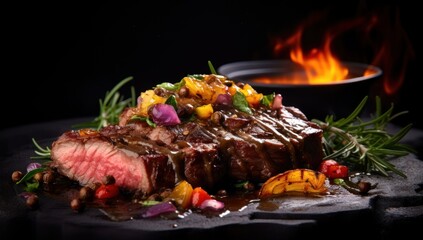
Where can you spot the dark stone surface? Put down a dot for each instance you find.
(391, 211)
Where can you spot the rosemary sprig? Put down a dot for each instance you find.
(111, 107)
(212, 69)
(42, 153)
(365, 145)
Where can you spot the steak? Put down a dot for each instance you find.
(227, 147)
(87, 156)
(205, 154)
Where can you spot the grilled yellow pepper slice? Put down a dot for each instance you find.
(296, 180)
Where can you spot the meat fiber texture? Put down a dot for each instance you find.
(206, 153)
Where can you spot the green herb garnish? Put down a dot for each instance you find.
(32, 185)
(111, 107)
(196, 76)
(267, 100)
(170, 86)
(240, 102)
(172, 101)
(146, 119)
(42, 153)
(365, 144)
(212, 70)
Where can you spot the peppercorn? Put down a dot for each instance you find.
(364, 187)
(217, 117)
(38, 176)
(183, 92)
(77, 205)
(16, 176)
(86, 193)
(32, 201)
(48, 177)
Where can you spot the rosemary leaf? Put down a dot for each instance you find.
(365, 144)
(111, 107)
(42, 153)
(212, 69)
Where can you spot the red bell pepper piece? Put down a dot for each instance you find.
(199, 195)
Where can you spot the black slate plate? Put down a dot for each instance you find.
(393, 209)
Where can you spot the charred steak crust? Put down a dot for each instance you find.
(210, 131)
(206, 153)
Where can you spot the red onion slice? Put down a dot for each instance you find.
(164, 114)
(33, 166)
(224, 99)
(212, 204)
(277, 102)
(160, 208)
(26, 195)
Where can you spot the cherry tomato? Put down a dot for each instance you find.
(198, 196)
(107, 191)
(324, 166)
(332, 169)
(339, 171)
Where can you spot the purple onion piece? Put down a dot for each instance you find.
(277, 102)
(139, 100)
(26, 195)
(33, 166)
(164, 114)
(224, 99)
(160, 208)
(212, 204)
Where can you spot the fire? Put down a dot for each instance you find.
(381, 42)
(320, 66)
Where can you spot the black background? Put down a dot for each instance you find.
(60, 58)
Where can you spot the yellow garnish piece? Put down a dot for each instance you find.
(254, 99)
(296, 180)
(181, 194)
(207, 89)
(199, 89)
(149, 98)
(204, 112)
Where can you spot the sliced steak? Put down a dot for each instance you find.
(231, 146)
(87, 156)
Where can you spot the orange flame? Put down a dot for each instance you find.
(320, 66)
(390, 50)
(393, 53)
